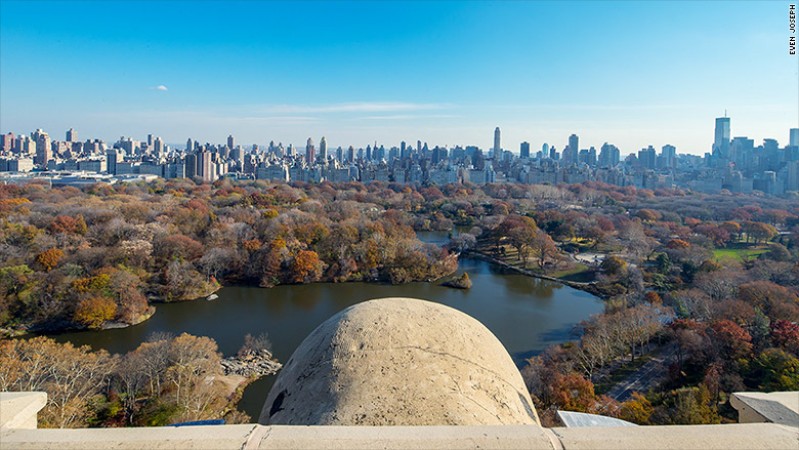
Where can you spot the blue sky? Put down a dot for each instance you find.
(629, 73)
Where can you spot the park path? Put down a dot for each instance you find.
(646, 377)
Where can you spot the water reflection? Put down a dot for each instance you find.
(526, 314)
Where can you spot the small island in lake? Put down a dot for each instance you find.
(461, 282)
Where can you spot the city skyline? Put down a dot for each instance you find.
(722, 139)
(446, 73)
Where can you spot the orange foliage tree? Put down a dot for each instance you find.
(94, 311)
(49, 258)
(306, 267)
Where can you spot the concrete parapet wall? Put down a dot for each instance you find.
(18, 410)
(704, 437)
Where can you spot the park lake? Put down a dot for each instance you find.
(526, 314)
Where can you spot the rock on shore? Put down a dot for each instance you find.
(255, 364)
(461, 282)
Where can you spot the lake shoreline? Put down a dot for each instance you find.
(590, 287)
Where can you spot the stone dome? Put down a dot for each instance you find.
(399, 361)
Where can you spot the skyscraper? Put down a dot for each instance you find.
(647, 157)
(42, 142)
(158, 146)
(793, 140)
(323, 149)
(497, 146)
(189, 146)
(8, 142)
(574, 144)
(204, 165)
(721, 143)
(669, 154)
(231, 142)
(524, 150)
(609, 155)
(112, 157)
(191, 165)
(310, 152)
(72, 135)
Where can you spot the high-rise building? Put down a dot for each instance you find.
(497, 144)
(150, 141)
(721, 142)
(158, 146)
(112, 157)
(609, 155)
(231, 142)
(72, 135)
(310, 152)
(591, 159)
(574, 146)
(793, 140)
(42, 142)
(204, 165)
(190, 163)
(8, 142)
(524, 150)
(669, 154)
(647, 157)
(323, 149)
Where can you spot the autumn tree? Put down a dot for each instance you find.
(731, 341)
(758, 231)
(636, 410)
(70, 375)
(785, 334)
(306, 267)
(691, 406)
(93, 312)
(613, 265)
(776, 370)
(50, 258)
(543, 248)
(778, 302)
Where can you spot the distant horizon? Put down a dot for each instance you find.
(631, 74)
(178, 144)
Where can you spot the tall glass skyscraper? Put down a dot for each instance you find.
(497, 146)
(721, 143)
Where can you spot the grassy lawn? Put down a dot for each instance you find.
(728, 255)
(580, 272)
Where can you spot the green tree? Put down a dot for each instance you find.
(776, 370)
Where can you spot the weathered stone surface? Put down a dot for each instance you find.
(399, 361)
(254, 364)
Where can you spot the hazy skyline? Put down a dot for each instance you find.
(632, 74)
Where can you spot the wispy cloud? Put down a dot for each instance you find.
(359, 107)
(160, 87)
(407, 117)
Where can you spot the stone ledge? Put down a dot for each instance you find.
(699, 437)
(219, 437)
(775, 407)
(704, 437)
(19, 409)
